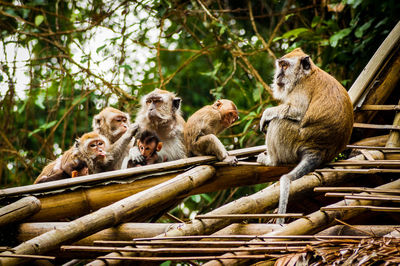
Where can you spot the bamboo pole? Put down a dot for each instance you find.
(358, 230)
(356, 189)
(129, 231)
(125, 173)
(76, 203)
(261, 201)
(315, 222)
(363, 207)
(116, 213)
(377, 107)
(375, 126)
(394, 136)
(250, 216)
(379, 91)
(373, 66)
(19, 210)
(373, 141)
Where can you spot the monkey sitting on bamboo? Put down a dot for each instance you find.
(202, 127)
(148, 145)
(92, 153)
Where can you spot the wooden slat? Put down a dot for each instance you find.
(374, 64)
(378, 107)
(373, 126)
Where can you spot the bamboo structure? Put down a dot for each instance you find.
(19, 210)
(314, 222)
(261, 201)
(116, 213)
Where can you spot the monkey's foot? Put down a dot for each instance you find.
(264, 159)
(232, 160)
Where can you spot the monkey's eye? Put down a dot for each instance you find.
(92, 145)
(148, 101)
(141, 148)
(283, 64)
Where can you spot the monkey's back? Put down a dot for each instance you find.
(326, 126)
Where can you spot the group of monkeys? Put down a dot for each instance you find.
(161, 135)
(310, 126)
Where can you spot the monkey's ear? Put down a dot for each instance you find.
(96, 122)
(176, 103)
(159, 146)
(218, 104)
(305, 63)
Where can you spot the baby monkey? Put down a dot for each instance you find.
(203, 126)
(148, 144)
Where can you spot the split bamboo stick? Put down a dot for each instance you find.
(356, 189)
(250, 216)
(375, 126)
(374, 147)
(19, 210)
(373, 141)
(363, 207)
(315, 222)
(116, 213)
(261, 201)
(380, 107)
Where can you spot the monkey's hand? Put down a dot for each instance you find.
(135, 156)
(231, 160)
(264, 159)
(133, 129)
(267, 116)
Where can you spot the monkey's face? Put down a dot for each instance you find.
(228, 110)
(155, 105)
(160, 106)
(118, 125)
(288, 70)
(97, 149)
(148, 149)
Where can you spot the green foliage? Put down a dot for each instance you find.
(59, 65)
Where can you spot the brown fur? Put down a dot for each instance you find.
(311, 125)
(160, 113)
(79, 157)
(203, 126)
(106, 123)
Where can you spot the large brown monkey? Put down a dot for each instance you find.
(203, 126)
(113, 123)
(92, 151)
(160, 113)
(311, 125)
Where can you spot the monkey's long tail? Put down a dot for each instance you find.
(308, 163)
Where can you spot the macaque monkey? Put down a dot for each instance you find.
(203, 126)
(312, 124)
(66, 166)
(160, 113)
(113, 123)
(148, 144)
(91, 151)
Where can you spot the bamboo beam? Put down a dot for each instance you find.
(315, 222)
(374, 65)
(374, 126)
(390, 198)
(373, 147)
(128, 231)
(358, 230)
(19, 210)
(356, 189)
(191, 250)
(377, 107)
(360, 171)
(70, 204)
(261, 201)
(185, 258)
(381, 88)
(366, 163)
(363, 207)
(116, 213)
(373, 141)
(394, 136)
(125, 173)
(250, 216)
